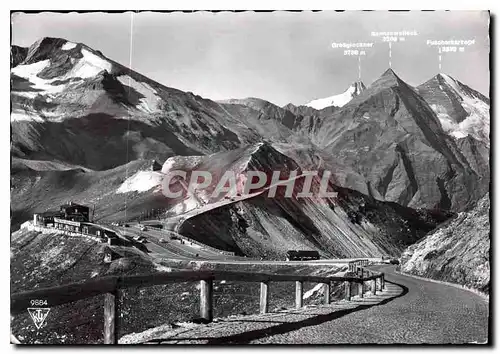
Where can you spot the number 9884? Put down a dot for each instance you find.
(38, 302)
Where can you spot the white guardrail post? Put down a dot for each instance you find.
(264, 296)
(361, 283)
(298, 294)
(206, 299)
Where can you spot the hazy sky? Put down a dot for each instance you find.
(281, 56)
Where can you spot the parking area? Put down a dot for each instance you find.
(168, 243)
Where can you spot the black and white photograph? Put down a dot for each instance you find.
(250, 177)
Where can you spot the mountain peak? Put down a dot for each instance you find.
(444, 77)
(462, 110)
(289, 106)
(455, 85)
(388, 79)
(450, 82)
(48, 48)
(390, 72)
(49, 40)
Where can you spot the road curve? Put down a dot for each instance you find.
(410, 311)
(426, 312)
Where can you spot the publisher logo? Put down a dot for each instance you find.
(38, 315)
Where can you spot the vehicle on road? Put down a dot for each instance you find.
(156, 226)
(302, 255)
(143, 228)
(162, 240)
(394, 261)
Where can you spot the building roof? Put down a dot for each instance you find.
(50, 213)
(71, 204)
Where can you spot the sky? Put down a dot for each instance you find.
(279, 56)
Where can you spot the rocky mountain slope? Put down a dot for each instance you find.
(269, 120)
(457, 252)
(70, 103)
(461, 110)
(88, 129)
(85, 127)
(346, 225)
(391, 136)
(18, 54)
(38, 186)
(40, 260)
(464, 114)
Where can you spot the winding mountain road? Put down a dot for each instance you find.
(411, 310)
(425, 312)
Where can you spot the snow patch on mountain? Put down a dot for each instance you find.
(474, 125)
(68, 46)
(30, 72)
(186, 205)
(477, 124)
(89, 66)
(150, 101)
(27, 94)
(181, 163)
(17, 116)
(338, 100)
(142, 181)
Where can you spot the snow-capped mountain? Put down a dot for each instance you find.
(120, 111)
(56, 72)
(392, 137)
(338, 100)
(133, 117)
(461, 110)
(76, 108)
